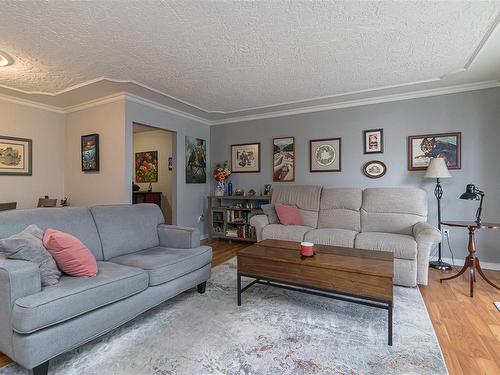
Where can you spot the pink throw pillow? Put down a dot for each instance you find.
(71, 256)
(288, 215)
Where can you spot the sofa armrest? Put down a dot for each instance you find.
(178, 237)
(18, 278)
(426, 237)
(259, 222)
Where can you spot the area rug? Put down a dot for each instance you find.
(275, 331)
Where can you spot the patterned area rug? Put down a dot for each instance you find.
(275, 331)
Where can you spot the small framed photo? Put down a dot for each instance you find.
(245, 158)
(90, 153)
(284, 159)
(373, 141)
(423, 148)
(15, 156)
(374, 169)
(170, 163)
(325, 155)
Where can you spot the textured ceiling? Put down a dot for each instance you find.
(230, 56)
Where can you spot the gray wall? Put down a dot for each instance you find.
(476, 114)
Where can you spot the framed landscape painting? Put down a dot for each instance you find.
(284, 159)
(423, 148)
(146, 166)
(196, 160)
(90, 153)
(245, 158)
(373, 141)
(325, 155)
(15, 156)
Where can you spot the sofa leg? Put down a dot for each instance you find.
(202, 287)
(42, 369)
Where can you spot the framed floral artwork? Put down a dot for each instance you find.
(146, 166)
(15, 156)
(90, 153)
(325, 155)
(373, 141)
(423, 148)
(245, 158)
(284, 159)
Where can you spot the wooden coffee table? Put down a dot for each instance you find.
(353, 275)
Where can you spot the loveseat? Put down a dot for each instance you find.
(141, 263)
(387, 219)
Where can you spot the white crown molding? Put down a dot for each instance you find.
(96, 102)
(362, 102)
(29, 103)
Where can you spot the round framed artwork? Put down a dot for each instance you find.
(374, 169)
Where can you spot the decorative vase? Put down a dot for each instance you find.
(219, 190)
(229, 188)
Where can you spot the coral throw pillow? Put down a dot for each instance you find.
(71, 256)
(288, 215)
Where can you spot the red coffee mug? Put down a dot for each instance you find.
(306, 249)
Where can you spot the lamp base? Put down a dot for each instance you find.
(440, 265)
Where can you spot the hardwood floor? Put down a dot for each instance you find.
(468, 329)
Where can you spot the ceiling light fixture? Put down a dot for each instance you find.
(5, 59)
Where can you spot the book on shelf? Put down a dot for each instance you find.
(237, 216)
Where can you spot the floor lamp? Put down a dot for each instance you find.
(437, 169)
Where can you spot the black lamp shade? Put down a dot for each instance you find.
(471, 193)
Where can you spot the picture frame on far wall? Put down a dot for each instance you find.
(90, 153)
(373, 141)
(325, 155)
(422, 148)
(15, 156)
(245, 158)
(284, 159)
(196, 160)
(146, 166)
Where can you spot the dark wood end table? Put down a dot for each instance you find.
(471, 261)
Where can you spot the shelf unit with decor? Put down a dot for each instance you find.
(229, 216)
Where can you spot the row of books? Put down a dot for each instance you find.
(237, 216)
(242, 231)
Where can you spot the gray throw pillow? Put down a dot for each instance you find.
(28, 245)
(270, 212)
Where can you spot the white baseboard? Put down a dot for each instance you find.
(460, 262)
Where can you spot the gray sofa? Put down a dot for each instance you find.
(387, 219)
(142, 262)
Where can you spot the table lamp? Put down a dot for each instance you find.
(438, 169)
(473, 193)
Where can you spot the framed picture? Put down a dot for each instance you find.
(373, 141)
(245, 158)
(374, 169)
(325, 155)
(196, 160)
(90, 153)
(15, 156)
(284, 159)
(423, 148)
(146, 166)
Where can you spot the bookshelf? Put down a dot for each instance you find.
(229, 216)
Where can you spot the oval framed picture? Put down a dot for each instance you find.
(374, 169)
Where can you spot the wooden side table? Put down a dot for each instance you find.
(471, 261)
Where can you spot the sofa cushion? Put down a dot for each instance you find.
(306, 198)
(74, 296)
(288, 215)
(77, 221)
(285, 232)
(125, 229)
(333, 237)
(339, 208)
(402, 246)
(165, 264)
(393, 210)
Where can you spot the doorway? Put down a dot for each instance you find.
(153, 172)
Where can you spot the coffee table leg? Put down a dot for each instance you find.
(389, 321)
(239, 289)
